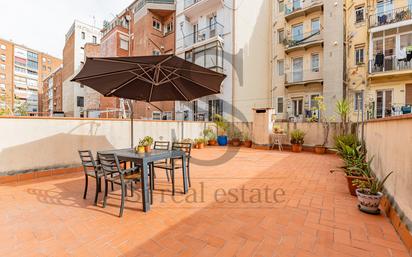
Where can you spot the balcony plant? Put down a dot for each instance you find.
(297, 139)
(369, 192)
(320, 108)
(222, 126)
(147, 143)
(199, 143)
(210, 136)
(246, 140)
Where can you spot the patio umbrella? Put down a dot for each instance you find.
(149, 78)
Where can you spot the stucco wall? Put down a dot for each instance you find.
(390, 142)
(43, 143)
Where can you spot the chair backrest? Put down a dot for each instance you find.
(87, 159)
(109, 163)
(161, 145)
(185, 147)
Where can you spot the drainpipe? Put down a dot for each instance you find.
(233, 58)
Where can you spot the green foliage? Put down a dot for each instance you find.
(348, 140)
(221, 123)
(343, 109)
(372, 185)
(200, 140)
(209, 134)
(297, 137)
(236, 134)
(146, 141)
(22, 109)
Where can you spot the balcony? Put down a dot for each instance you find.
(192, 8)
(390, 17)
(303, 41)
(390, 65)
(298, 8)
(303, 77)
(208, 34)
(164, 5)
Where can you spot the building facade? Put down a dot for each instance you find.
(308, 56)
(52, 101)
(232, 39)
(22, 71)
(74, 94)
(379, 57)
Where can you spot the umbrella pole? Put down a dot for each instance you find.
(131, 124)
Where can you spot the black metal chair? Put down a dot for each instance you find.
(171, 166)
(91, 169)
(161, 145)
(113, 173)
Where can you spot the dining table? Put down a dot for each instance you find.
(143, 160)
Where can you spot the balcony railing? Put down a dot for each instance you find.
(213, 30)
(389, 64)
(141, 3)
(391, 16)
(301, 39)
(302, 76)
(300, 5)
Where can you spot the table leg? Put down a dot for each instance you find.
(184, 170)
(145, 192)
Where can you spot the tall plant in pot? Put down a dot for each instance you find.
(343, 109)
(222, 126)
(297, 139)
(369, 192)
(320, 108)
(210, 136)
(236, 137)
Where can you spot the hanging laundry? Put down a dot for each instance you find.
(401, 54)
(379, 59)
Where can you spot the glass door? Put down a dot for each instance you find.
(297, 32)
(297, 73)
(297, 105)
(383, 103)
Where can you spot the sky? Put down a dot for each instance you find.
(42, 24)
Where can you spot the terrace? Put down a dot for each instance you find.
(242, 201)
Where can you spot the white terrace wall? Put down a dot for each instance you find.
(45, 143)
(389, 141)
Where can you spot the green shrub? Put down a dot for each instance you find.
(297, 137)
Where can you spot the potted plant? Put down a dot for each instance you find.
(147, 143)
(199, 143)
(140, 147)
(246, 140)
(369, 193)
(297, 139)
(222, 126)
(210, 135)
(320, 108)
(236, 136)
(277, 129)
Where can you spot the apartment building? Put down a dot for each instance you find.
(232, 38)
(52, 94)
(22, 71)
(308, 56)
(74, 94)
(379, 57)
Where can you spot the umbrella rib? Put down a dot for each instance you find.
(121, 86)
(145, 72)
(180, 91)
(166, 78)
(141, 77)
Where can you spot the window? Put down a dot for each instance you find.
(32, 65)
(315, 25)
(383, 103)
(280, 105)
(215, 107)
(281, 6)
(124, 44)
(167, 116)
(281, 36)
(80, 101)
(3, 57)
(297, 106)
(297, 32)
(157, 25)
(19, 69)
(359, 55)
(32, 56)
(156, 52)
(2, 76)
(359, 14)
(156, 115)
(315, 62)
(169, 27)
(358, 101)
(32, 72)
(2, 47)
(2, 67)
(83, 35)
(44, 67)
(94, 39)
(281, 67)
(43, 59)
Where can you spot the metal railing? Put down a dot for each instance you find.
(389, 63)
(299, 76)
(213, 30)
(141, 3)
(301, 39)
(298, 5)
(391, 16)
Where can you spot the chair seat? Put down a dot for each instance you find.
(127, 177)
(167, 166)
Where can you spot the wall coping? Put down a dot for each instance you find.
(392, 118)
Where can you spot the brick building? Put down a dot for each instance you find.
(51, 100)
(22, 71)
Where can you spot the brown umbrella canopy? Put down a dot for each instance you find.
(149, 78)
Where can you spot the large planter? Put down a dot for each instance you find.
(222, 140)
(296, 148)
(352, 188)
(368, 203)
(248, 143)
(236, 142)
(320, 149)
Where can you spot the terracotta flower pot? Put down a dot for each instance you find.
(320, 149)
(200, 145)
(248, 143)
(236, 142)
(368, 203)
(148, 149)
(296, 148)
(212, 142)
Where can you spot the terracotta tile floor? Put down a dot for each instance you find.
(259, 203)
